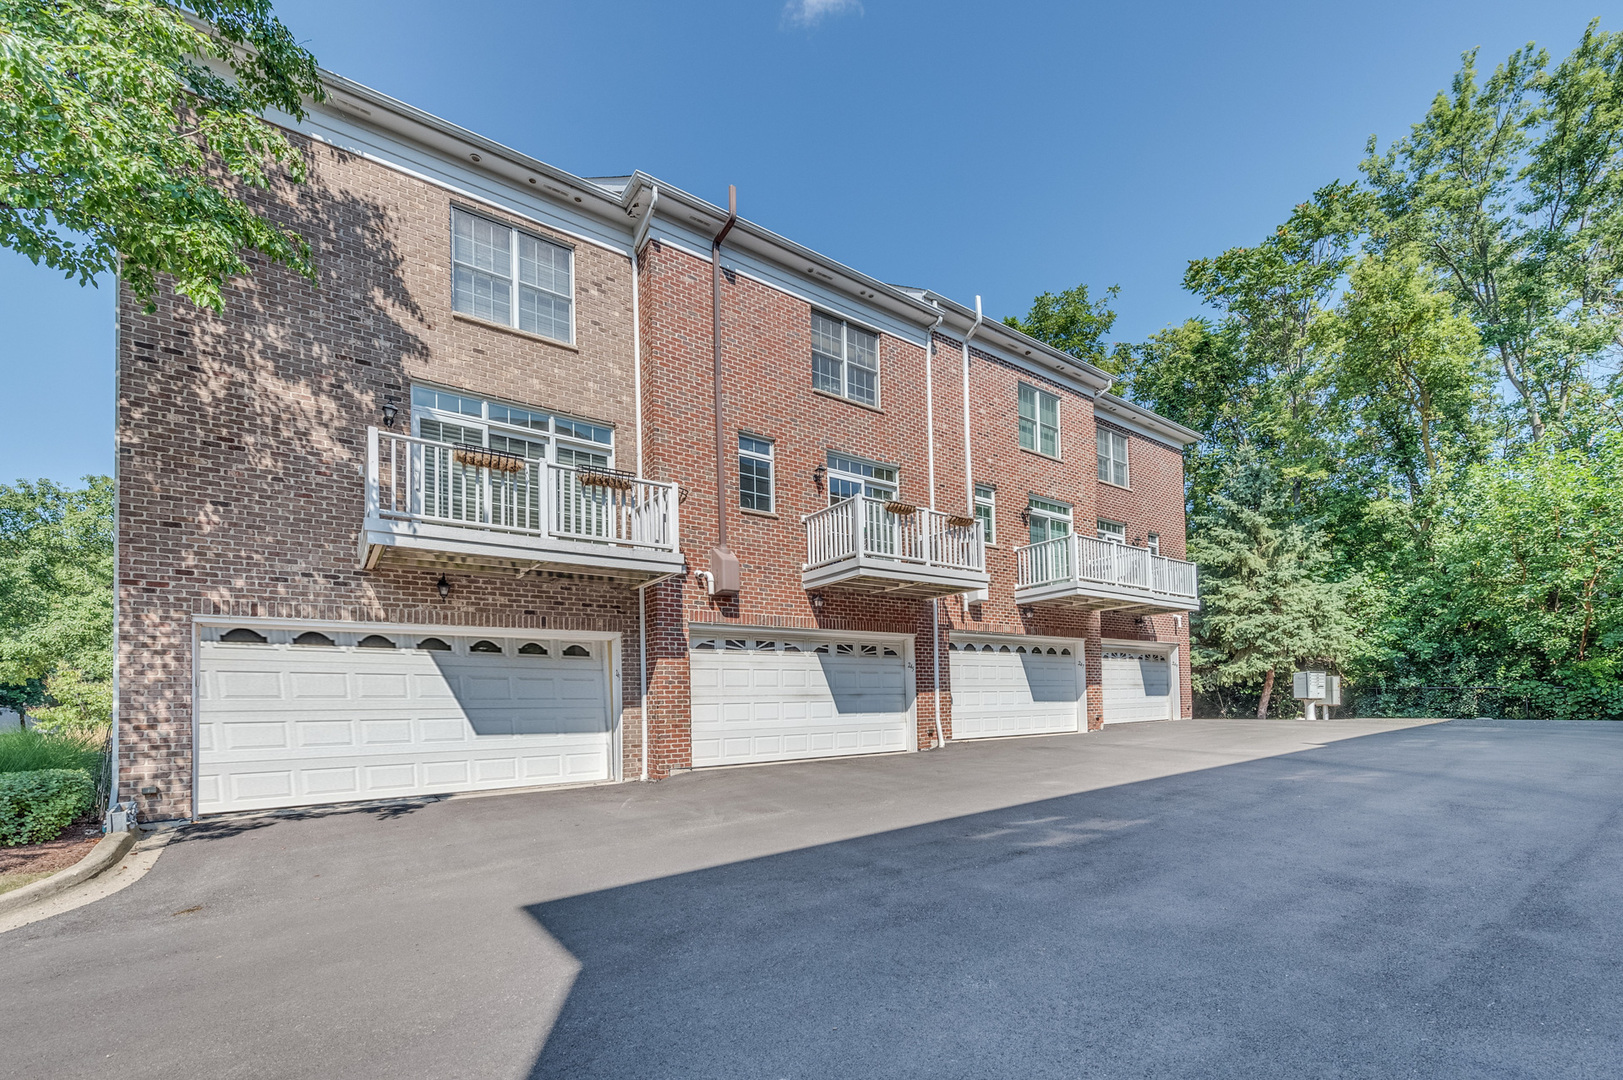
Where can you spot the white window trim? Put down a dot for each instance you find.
(846, 325)
(512, 274)
(828, 462)
(550, 437)
(1059, 427)
(1126, 465)
(1108, 536)
(771, 459)
(990, 502)
(1069, 517)
(1153, 542)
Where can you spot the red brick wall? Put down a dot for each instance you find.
(241, 445)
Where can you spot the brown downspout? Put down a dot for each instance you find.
(724, 575)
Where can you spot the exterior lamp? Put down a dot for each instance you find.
(818, 474)
(443, 586)
(390, 411)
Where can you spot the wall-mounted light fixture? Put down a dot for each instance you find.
(817, 603)
(443, 586)
(390, 412)
(818, 474)
(1025, 516)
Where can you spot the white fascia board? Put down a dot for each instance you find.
(1147, 423)
(372, 125)
(774, 276)
(1023, 351)
(803, 269)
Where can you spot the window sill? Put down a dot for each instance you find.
(515, 331)
(771, 515)
(1039, 453)
(1118, 487)
(847, 401)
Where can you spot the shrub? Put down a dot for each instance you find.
(36, 806)
(79, 705)
(30, 751)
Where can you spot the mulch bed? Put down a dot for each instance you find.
(53, 855)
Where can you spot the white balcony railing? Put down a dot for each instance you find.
(865, 530)
(414, 480)
(1083, 560)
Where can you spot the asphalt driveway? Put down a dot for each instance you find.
(1191, 899)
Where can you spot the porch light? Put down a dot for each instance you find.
(818, 474)
(390, 411)
(443, 586)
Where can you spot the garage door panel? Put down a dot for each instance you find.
(345, 722)
(1137, 685)
(770, 701)
(1000, 689)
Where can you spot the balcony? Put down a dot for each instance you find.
(1080, 571)
(440, 507)
(874, 546)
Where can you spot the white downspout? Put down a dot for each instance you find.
(969, 471)
(112, 767)
(638, 238)
(929, 445)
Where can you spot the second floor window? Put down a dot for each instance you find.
(1050, 520)
(1153, 542)
(845, 360)
(755, 473)
(507, 276)
(445, 416)
(986, 510)
(1039, 421)
(1112, 531)
(1112, 458)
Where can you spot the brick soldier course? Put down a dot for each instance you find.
(242, 435)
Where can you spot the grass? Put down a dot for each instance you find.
(18, 880)
(25, 751)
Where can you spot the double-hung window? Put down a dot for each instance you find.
(1039, 421)
(986, 510)
(507, 276)
(755, 473)
(1153, 542)
(1050, 520)
(1112, 532)
(849, 477)
(845, 360)
(1112, 458)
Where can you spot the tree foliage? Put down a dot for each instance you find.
(56, 580)
(1073, 322)
(1410, 393)
(128, 131)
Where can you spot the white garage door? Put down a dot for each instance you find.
(1015, 688)
(290, 719)
(756, 699)
(1137, 684)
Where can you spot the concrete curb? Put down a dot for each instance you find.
(104, 856)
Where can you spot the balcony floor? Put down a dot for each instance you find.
(1097, 596)
(903, 580)
(428, 546)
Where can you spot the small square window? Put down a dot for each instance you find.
(755, 473)
(1039, 420)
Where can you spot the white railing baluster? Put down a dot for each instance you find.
(1087, 559)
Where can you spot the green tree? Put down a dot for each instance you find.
(1268, 603)
(1074, 322)
(1513, 188)
(129, 131)
(56, 580)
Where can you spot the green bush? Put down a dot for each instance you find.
(37, 806)
(30, 751)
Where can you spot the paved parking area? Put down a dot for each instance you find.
(1189, 899)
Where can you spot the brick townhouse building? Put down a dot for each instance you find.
(540, 484)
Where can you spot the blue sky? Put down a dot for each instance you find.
(1001, 149)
